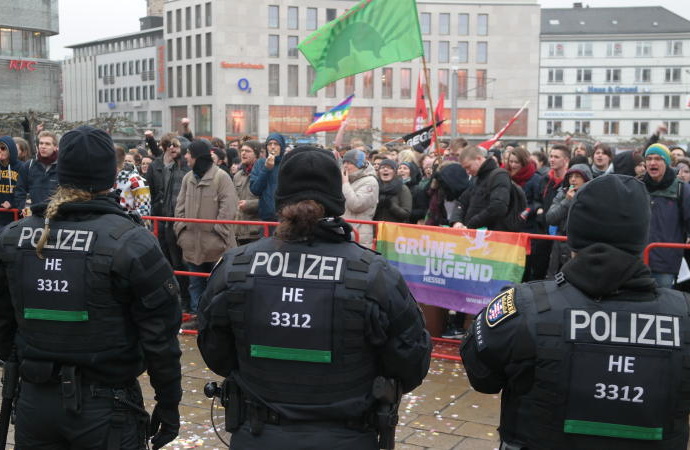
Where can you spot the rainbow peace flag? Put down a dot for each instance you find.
(332, 119)
(455, 269)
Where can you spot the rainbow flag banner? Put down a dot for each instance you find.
(331, 119)
(455, 269)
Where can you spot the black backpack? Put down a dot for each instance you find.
(517, 204)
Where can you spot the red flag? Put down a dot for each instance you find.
(421, 114)
(488, 144)
(439, 113)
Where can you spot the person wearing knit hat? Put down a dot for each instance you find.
(395, 199)
(90, 301)
(361, 191)
(670, 202)
(596, 308)
(207, 192)
(295, 298)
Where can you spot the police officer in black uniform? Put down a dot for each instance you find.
(303, 323)
(598, 358)
(91, 304)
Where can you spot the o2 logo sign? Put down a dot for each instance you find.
(243, 85)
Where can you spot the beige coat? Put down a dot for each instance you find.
(361, 198)
(212, 197)
(251, 208)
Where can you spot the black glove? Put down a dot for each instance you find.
(165, 425)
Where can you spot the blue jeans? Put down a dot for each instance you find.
(664, 280)
(197, 285)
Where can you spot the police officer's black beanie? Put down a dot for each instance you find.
(310, 173)
(612, 209)
(86, 160)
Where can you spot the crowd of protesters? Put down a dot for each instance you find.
(459, 185)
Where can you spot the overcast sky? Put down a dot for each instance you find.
(87, 20)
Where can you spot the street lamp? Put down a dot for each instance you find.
(455, 59)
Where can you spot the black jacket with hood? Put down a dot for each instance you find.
(9, 174)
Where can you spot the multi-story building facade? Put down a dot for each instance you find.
(28, 79)
(614, 73)
(122, 75)
(233, 68)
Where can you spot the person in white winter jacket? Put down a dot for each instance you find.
(361, 191)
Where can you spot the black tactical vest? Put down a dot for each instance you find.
(64, 304)
(298, 316)
(607, 374)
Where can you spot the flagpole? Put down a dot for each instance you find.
(431, 103)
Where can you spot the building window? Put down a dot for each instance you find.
(584, 75)
(425, 23)
(672, 127)
(671, 101)
(481, 84)
(209, 14)
(387, 82)
(462, 83)
(178, 20)
(331, 90)
(293, 80)
(612, 102)
(614, 49)
(188, 18)
(584, 49)
(179, 81)
(242, 119)
(170, 50)
(293, 18)
(209, 45)
(555, 75)
(198, 80)
(144, 93)
(188, 71)
(463, 24)
(198, 45)
(368, 84)
(643, 75)
(641, 102)
(672, 75)
(554, 102)
(197, 16)
(482, 24)
(293, 52)
(462, 52)
(141, 116)
(273, 16)
(203, 120)
(443, 51)
(156, 118)
(152, 92)
(482, 56)
(144, 66)
(331, 14)
(350, 85)
(124, 94)
(674, 48)
(611, 127)
(582, 127)
(640, 128)
(556, 49)
(643, 49)
(100, 96)
(131, 67)
(209, 79)
(138, 91)
(443, 83)
(613, 75)
(137, 66)
(554, 126)
(273, 80)
(444, 23)
(273, 45)
(100, 72)
(168, 22)
(427, 49)
(178, 45)
(312, 19)
(311, 76)
(583, 102)
(188, 45)
(405, 83)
